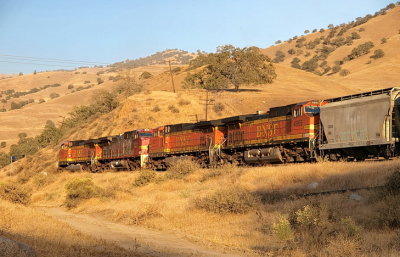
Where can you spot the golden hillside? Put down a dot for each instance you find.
(291, 85)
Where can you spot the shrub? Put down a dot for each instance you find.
(79, 189)
(176, 69)
(295, 63)
(145, 177)
(86, 82)
(336, 68)
(355, 35)
(3, 144)
(344, 72)
(3, 110)
(183, 102)
(360, 50)
(311, 64)
(379, 53)
(227, 200)
(156, 109)
(392, 185)
(173, 109)
(291, 51)
(361, 30)
(306, 31)
(279, 57)
(13, 193)
(70, 86)
(218, 107)
(282, 229)
(54, 95)
(181, 167)
(146, 75)
(383, 40)
(41, 100)
(99, 81)
(278, 42)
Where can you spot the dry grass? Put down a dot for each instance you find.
(49, 237)
(168, 202)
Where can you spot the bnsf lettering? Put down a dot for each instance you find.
(182, 140)
(267, 130)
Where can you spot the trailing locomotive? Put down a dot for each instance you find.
(351, 127)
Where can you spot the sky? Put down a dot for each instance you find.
(104, 31)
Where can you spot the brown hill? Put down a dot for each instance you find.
(291, 85)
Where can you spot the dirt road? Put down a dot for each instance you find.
(142, 240)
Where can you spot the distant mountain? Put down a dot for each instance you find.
(176, 56)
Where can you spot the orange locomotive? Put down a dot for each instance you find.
(186, 139)
(284, 134)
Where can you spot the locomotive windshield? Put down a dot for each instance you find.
(146, 134)
(312, 109)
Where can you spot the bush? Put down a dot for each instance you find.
(279, 57)
(311, 64)
(86, 82)
(278, 42)
(355, 35)
(295, 63)
(291, 51)
(361, 30)
(54, 95)
(181, 167)
(379, 53)
(3, 144)
(336, 69)
(176, 69)
(344, 72)
(383, 40)
(228, 200)
(99, 81)
(183, 102)
(282, 229)
(146, 75)
(173, 109)
(306, 31)
(13, 193)
(3, 109)
(156, 109)
(80, 189)
(41, 100)
(145, 177)
(218, 107)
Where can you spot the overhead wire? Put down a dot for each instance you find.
(50, 60)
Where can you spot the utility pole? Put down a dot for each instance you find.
(172, 77)
(207, 103)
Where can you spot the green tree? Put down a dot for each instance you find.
(50, 134)
(4, 159)
(232, 66)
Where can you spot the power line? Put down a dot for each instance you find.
(9, 56)
(42, 64)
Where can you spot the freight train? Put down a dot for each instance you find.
(352, 127)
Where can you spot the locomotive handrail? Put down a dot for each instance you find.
(365, 94)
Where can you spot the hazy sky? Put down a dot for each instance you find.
(110, 31)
